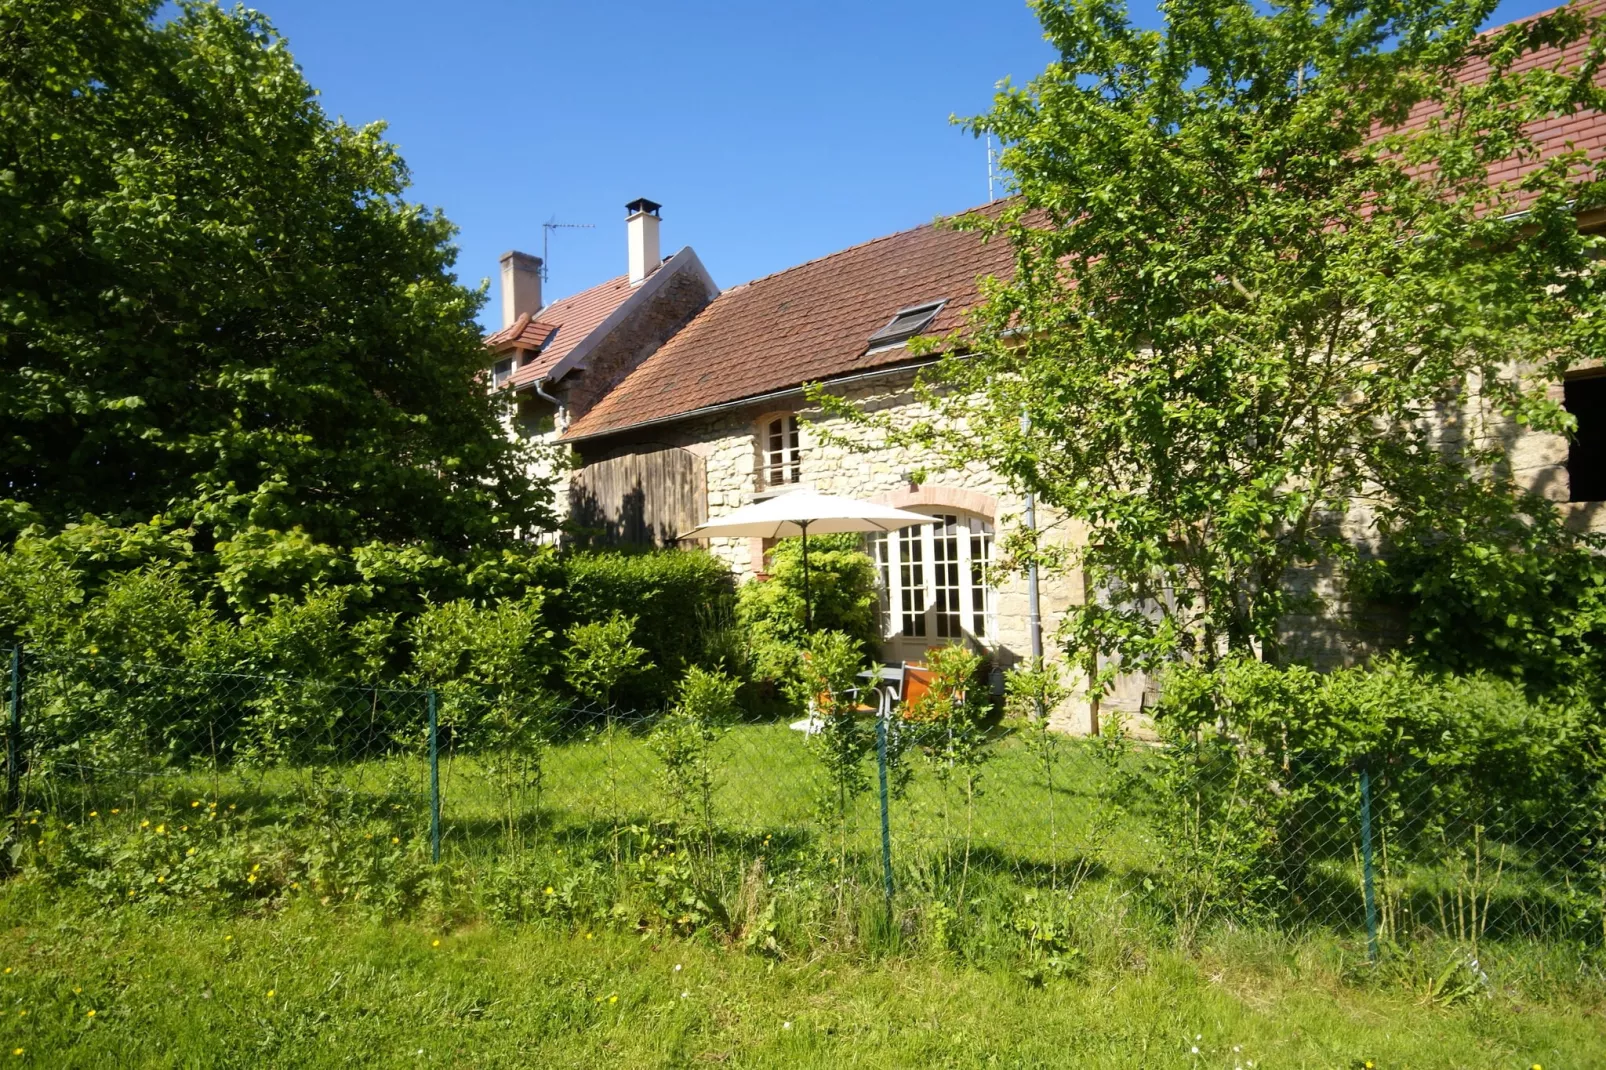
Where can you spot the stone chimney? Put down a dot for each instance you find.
(521, 286)
(642, 227)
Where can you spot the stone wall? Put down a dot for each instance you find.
(672, 305)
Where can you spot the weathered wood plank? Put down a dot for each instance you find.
(640, 499)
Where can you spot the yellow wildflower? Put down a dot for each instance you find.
(16, 1051)
(161, 829)
(549, 890)
(144, 824)
(8, 969)
(160, 879)
(613, 999)
(252, 879)
(270, 993)
(94, 813)
(395, 839)
(256, 867)
(190, 852)
(89, 1014)
(115, 810)
(195, 803)
(226, 939)
(436, 943)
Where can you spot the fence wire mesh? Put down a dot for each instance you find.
(149, 781)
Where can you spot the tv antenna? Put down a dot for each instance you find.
(546, 234)
(992, 169)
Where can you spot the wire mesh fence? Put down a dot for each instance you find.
(270, 786)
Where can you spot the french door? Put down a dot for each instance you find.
(934, 588)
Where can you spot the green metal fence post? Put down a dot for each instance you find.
(14, 734)
(886, 827)
(1367, 892)
(434, 782)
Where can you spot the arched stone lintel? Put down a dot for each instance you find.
(971, 501)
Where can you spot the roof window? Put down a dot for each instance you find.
(907, 323)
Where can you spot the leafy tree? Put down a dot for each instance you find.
(1251, 302)
(216, 304)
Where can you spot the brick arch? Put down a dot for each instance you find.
(971, 501)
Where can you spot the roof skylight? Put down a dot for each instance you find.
(907, 323)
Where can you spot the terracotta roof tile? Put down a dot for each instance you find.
(1584, 130)
(563, 325)
(524, 333)
(808, 323)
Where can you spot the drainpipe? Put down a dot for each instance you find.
(535, 388)
(1034, 616)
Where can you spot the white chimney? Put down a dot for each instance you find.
(521, 286)
(642, 227)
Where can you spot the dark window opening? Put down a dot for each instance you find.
(907, 323)
(1586, 456)
(502, 371)
(536, 417)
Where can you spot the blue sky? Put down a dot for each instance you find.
(772, 133)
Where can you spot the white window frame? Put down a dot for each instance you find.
(935, 585)
(780, 450)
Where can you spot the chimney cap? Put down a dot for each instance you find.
(642, 204)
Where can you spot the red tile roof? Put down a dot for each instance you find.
(1584, 130)
(524, 333)
(572, 319)
(806, 324)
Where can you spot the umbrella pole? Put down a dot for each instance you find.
(808, 608)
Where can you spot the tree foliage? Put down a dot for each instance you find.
(216, 304)
(1250, 300)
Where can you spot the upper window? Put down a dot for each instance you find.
(501, 371)
(907, 323)
(783, 458)
(1586, 455)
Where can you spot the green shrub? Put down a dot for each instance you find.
(705, 707)
(601, 656)
(678, 599)
(1259, 754)
(842, 591)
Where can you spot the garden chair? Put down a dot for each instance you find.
(813, 722)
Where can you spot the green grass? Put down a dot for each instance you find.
(312, 987)
(556, 916)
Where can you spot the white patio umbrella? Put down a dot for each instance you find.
(799, 512)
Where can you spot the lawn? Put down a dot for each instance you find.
(311, 987)
(291, 917)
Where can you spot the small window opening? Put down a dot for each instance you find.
(501, 371)
(783, 457)
(536, 416)
(1586, 454)
(907, 323)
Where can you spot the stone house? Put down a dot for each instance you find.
(679, 401)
